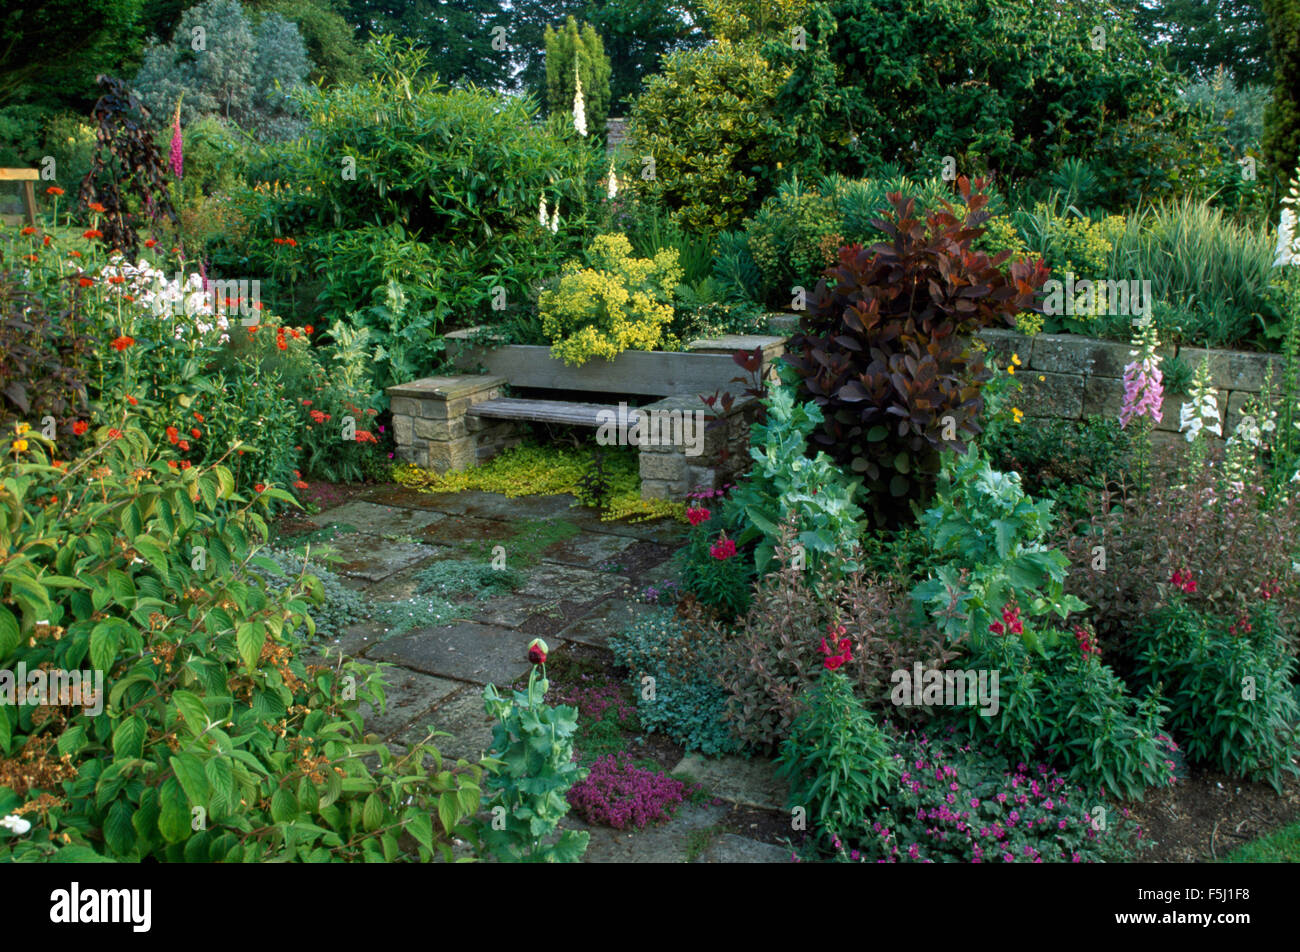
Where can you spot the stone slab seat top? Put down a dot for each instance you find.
(445, 388)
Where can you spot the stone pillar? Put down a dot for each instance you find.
(430, 422)
(667, 471)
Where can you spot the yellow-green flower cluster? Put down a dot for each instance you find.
(622, 303)
(549, 471)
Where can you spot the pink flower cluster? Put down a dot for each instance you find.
(1182, 580)
(619, 794)
(593, 700)
(1144, 392)
(697, 514)
(724, 548)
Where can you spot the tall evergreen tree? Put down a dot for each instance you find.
(573, 53)
(1281, 146)
(1198, 36)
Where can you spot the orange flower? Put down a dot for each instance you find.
(259, 487)
(149, 243)
(92, 233)
(184, 446)
(31, 257)
(252, 329)
(29, 230)
(195, 432)
(198, 416)
(80, 427)
(75, 254)
(116, 279)
(171, 464)
(86, 282)
(291, 243)
(132, 400)
(309, 329)
(96, 207)
(185, 464)
(173, 434)
(54, 190)
(114, 434)
(46, 241)
(317, 416)
(300, 485)
(122, 343)
(281, 343)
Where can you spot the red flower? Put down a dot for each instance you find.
(537, 651)
(173, 434)
(86, 282)
(29, 230)
(149, 243)
(75, 254)
(309, 329)
(116, 279)
(723, 549)
(185, 464)
(281, 343)
(317, 416)
(92, 233)
(697, 515)
(305, 402)
(1182, 580)
(299, 485)
(259, 487)
(198, 416)
(122, 343)
(277, 241)
(291, 243)
(46, 241)
(114, 434)
(184, 446)
(365, 436)
(171, 464)
(54, 190)
(132, 400)
(96, 207)
(195, 432)
(80, 427)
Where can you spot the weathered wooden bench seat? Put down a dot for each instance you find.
(544, 411)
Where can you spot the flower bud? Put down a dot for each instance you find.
(537, 651)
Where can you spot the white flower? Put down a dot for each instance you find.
(16, 824)
(579, 107)
(555, 218)
(613, 181)
(541, 211)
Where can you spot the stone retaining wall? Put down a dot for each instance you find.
(1069, 377)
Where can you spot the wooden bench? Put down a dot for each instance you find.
(453, 422)
(27, 177)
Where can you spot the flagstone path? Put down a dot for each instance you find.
(576, 592)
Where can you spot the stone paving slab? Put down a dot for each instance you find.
(588, 549)
(468, 651)
(668, 843)
(377, 519)
(407, 695)
(551, 580)
(751, 783)
(510, 611)
(394, 495)
(609, 617)
(464, 532)
(462, 715)
(730, 848)
(372, 558)
(353, 643)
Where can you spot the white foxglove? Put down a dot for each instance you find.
(579, 107)
(613, 181)
(555, 218)
(541, 211)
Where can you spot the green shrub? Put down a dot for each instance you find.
(340, 606)
(839, 764)
(884, 350)
(619, 303)
(1065, 707)
(1228, 684)
(706, 118)
(687, 703)
(990, 536)
(718, 581)
(206, 739)
(414, 203)
(793, 238)
(532, 751)
(786, 486)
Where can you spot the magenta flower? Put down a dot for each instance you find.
(177, 155)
